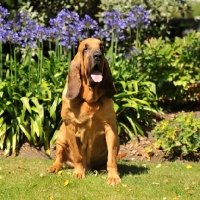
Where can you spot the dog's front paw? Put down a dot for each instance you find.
(55, 168)
(114, 179)
(79, 174)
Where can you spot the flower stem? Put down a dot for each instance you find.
(138, 37)
(11, 60)
(15, 64)
(1, 61)
(29, 69)
(69, 58)
(41, 63)
(112, 46)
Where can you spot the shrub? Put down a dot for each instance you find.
(178, 136)
(172, 66)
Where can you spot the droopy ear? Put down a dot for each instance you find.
(108, 84)
(74, 81)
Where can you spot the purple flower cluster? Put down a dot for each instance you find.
(114, 23)
(138, 17)
(67, 29)
(3, 14)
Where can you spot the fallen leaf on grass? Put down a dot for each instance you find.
(124, 185)
(158, 166)
(155, 183)
(60, 172)
(95, 172)
(166, 181)
(176, 198)
(51, 197)
(144, 165)
(193, 183)
(191, 192)
(66, 182)
(189, 167)
(187, 188)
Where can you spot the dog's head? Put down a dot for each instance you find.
(92, 60)
(90, 64)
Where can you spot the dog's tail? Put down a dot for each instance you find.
(121, 155)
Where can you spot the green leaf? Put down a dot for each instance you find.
(14, 143)
(116, 107)
(39, 108)
(25, 131)
(26, 104)
(128, 131)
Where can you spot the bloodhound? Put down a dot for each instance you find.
(88, 136)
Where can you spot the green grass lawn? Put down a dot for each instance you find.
(26, 179)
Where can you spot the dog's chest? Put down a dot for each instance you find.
(87, 112)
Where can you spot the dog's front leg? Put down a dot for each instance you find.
(112, 141)
(79, 171)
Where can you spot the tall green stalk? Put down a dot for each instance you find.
(138, 37)
(116, 46)
(1, 61)
(57, 49)
(112, 45)
(41, 64)
(69, 57)
(130, 34)
(60, 52)
(11, 62)
(15, 65)
(29, 69)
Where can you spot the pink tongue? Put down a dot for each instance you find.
(97, 76)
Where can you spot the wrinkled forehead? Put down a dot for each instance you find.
(90, 43)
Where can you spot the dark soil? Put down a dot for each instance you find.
(142, 148)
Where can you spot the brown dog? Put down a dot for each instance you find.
(88, 136)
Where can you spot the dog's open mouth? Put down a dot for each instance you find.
(96, 75)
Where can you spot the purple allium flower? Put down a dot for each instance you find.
(29, 31)
(3, 28)
(87, 23)
(114, 23)
(138, 16)
(3, 13)
(66, 28)
(114, 20)
(3, 35)
(101, 34)
(131, 20)
(41, 33)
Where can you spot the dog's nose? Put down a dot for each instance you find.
(97, 55)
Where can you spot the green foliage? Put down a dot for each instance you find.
(30, 105)
(172, 66)
(180, 135)
(135, 98)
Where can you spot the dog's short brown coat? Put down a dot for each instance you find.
(88, 136)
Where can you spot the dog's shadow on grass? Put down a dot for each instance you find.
(129, 168)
